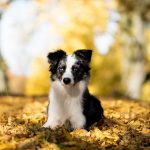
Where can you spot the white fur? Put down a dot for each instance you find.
(66, 101)
(69, 63)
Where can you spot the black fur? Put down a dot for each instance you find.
(80, 71)
(92, 109)
(84, 55)
(54, 59)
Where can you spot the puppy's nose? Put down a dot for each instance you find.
(66, 80)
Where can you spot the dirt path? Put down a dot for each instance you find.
(127, 126)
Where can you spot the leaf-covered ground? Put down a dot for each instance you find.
(127, 126)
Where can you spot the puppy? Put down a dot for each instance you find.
(69, 97)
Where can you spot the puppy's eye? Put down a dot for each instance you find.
(74, 69)
(61, 68)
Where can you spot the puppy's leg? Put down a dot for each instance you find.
(53, 117)
(52, 121)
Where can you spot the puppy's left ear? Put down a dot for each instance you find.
(84, 54)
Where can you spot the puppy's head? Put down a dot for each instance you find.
(70, 69)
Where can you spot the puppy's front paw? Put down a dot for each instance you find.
(46, 125)
(50, 125)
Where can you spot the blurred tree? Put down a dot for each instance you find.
(2, 76)
(134, 16)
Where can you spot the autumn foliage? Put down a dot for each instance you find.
(126, 126)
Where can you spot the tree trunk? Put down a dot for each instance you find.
(133, 56)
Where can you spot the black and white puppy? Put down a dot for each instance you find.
(69, 96)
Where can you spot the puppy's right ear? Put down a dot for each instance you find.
(55, 57)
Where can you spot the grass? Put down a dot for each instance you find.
(127, 126)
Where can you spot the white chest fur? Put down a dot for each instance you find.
(66, 104)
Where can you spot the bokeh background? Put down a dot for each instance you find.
(118, 31)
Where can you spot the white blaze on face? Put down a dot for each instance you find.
(71, 60)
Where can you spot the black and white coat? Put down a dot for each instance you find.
(69, 97)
